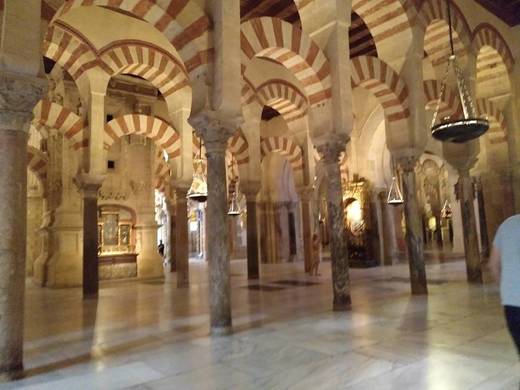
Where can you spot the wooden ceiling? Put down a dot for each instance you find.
(283, 9)
(360, 38)
(507, 10)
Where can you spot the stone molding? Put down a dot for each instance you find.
(18, 97)
(250, 190)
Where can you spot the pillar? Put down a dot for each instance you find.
(218, 251)
(215, 128)
(253, 266)
(170, 248)
(306, 204)
(18, 96)
(338, 245)
(89, 186)
(466, 195)
(414, 239)
(182, 255)
(482, 222)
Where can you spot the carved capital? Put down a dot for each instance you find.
(214, 128)
(250, 190)
(305, 193)
(18, 96)
(331, 151)
(407, 164)
(88, 184)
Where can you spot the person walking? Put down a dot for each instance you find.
(504, 263)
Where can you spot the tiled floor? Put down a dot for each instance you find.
(155, 336)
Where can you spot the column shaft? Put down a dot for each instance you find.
(90, 245)
(465, 194)
(13, 198)
(414, 239)
(182, 264)
(338, 242)
(218, 254)
(253, 271)
(307, 233)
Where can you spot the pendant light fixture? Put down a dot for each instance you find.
(446, 210)
(395, 196)
(199, 188)
(234, 207)
(463, 129)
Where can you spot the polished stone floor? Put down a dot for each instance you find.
(155, 336)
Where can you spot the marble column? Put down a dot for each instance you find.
(338, 243)
(171, 206)
(215, 128)
(218, 251)
(182, 252)
(466, 195)
(89, 186)
(306, 204)
(253, 267)
(414, 237)
(482, 222)
(18, 96)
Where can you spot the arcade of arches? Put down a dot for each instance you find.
(300, 111)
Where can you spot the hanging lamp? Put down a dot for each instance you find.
(463, 129)
(395, 196)
(234, 206)
(446, 210)
(199, 189)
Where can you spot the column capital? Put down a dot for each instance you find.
(407, 163)
(250, 189)
(18, 96)
(88, 184)
(305, 193)
(331, 149)
(215, 128)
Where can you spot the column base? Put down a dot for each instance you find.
(419, 290)
(89, 296)
(344, 304)
(475, 277)
(253, 276)
(221, 331)
(11, 372)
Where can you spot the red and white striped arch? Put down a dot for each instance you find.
(52, 115)
(152, 127)
(388, 22)
(433, 18)
(494, 61)
(377, 77)
(286, 44)
(286, 147)
(37, 162)
(162, 172)
(239, 147)
(487, 35)
(497, 132)
(145, 60)
(182, 22)
(248, 93)
(70, 50)
(450, 104)
(284, 97)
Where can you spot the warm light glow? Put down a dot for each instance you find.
(354, 213)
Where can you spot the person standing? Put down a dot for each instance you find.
(504, 263)
(160, 248)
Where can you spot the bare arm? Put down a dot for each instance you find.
(494, 263)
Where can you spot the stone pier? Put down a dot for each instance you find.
(414, 237)
(182, 256)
